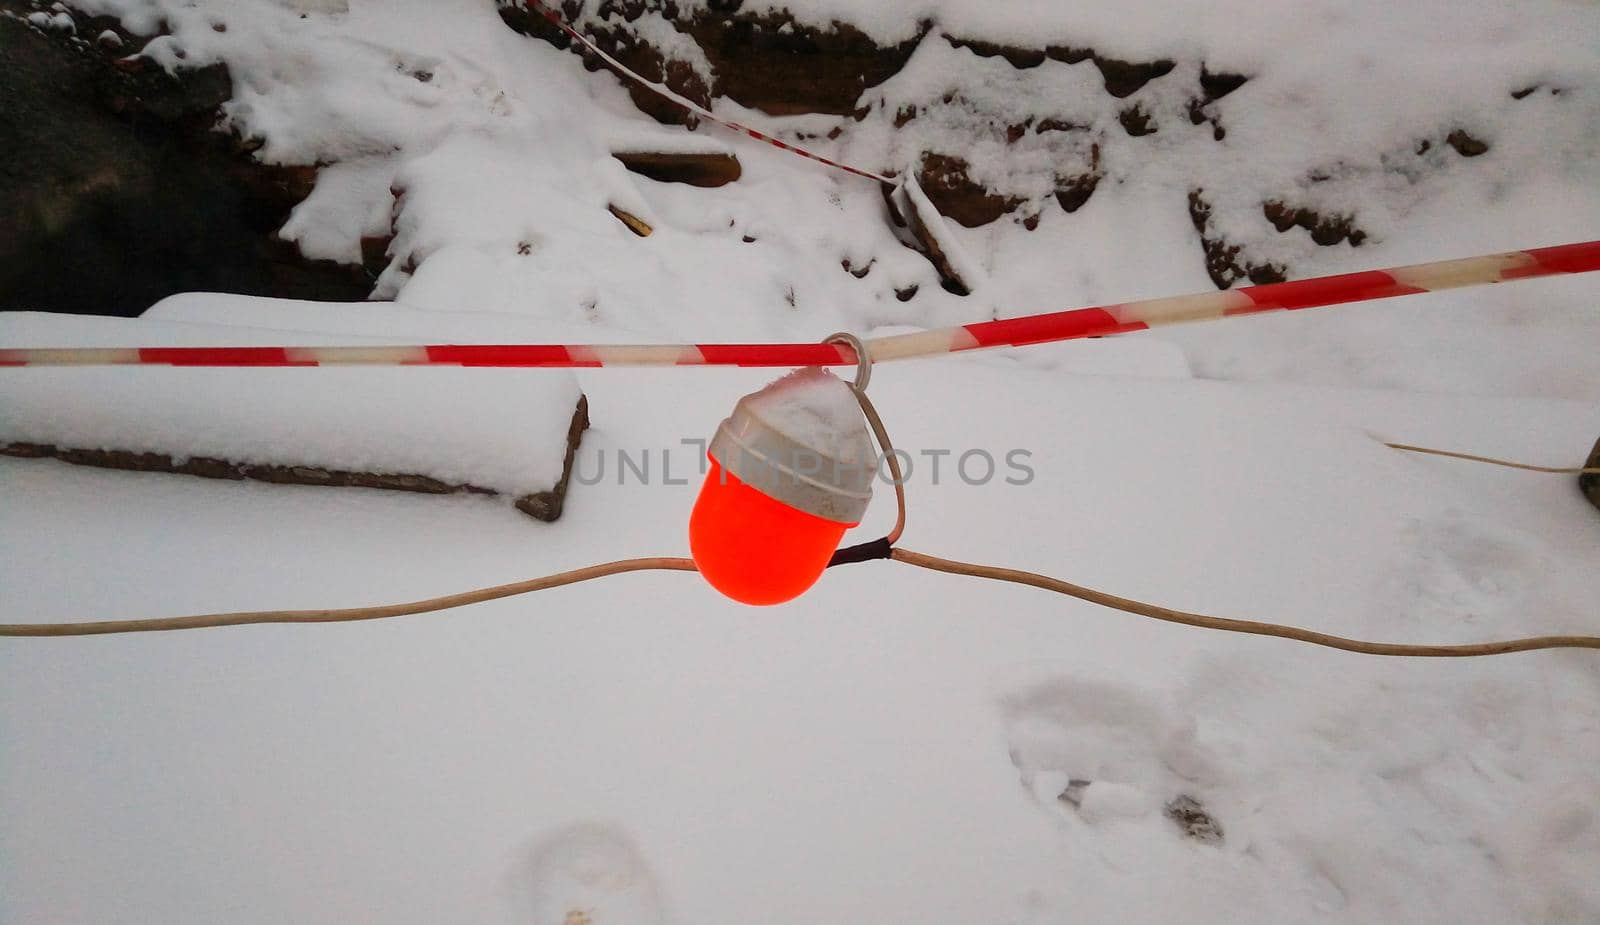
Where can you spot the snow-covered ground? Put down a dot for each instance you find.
(894, 745)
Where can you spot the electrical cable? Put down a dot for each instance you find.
(1558, 470)
(1232, 625)
(906, 556)
(349, 614)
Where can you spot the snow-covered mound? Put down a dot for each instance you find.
(505, 431)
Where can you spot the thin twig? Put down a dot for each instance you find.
(1558, 470)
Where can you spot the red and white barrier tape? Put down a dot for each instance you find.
(689, 105)
(1121, 318)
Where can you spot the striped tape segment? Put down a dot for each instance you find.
(1009, 332)
(689, 105)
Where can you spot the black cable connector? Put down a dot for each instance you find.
(879, 548)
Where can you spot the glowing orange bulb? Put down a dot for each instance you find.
(754, 549)
(791, 471)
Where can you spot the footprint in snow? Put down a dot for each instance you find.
(1102, 752)
(592, 874)
(1464, 570)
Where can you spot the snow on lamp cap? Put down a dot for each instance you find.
(802, 441)
(791, 470)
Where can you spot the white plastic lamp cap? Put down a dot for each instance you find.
(802, 441)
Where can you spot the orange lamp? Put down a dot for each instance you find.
(791, 470)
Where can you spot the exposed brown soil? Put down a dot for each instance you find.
(772, 63)
(956, 195)
(1225, 262)
(1218, 84)
(1124, 78)
(1466, 144)
(1137, 121)
(1073, 191)
(1020, 58)
(858, 272)
(1058, 125)
(1214, 85)
(1193, 821)
(1326, 230)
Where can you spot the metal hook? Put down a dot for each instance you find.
(889, 457)
(863, 359)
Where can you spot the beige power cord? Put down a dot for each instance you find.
(1232, 625)
(1558, 470)
(1044, 582)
